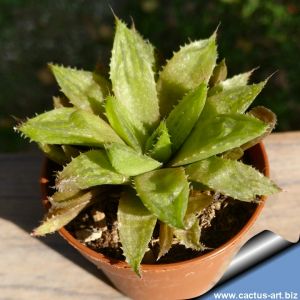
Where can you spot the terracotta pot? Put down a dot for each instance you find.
(181, 280)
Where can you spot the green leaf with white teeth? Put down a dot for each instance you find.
(236, 81)
(218, 134)
(165, 239)
(128, 162)
(190, 238)
(132, 75)
(59, 216)
(229, 177)
(85, 90)
(158, 145)
(136, 226)
(184, 116)
(128, 128)
(266, 116)
(233, 100)
(192, 65)
(197, 202)
(69, 126)
(86, 170)
(165, 193)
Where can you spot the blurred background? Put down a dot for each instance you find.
(252, 33)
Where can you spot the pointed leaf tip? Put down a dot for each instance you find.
(178, 78)
(136, 226)
(85, 90)
(132, 75)
(69, 126)
(57, 217)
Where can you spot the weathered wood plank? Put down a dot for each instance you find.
(50, 269)
(33, 268)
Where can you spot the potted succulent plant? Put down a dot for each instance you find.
(145, 160)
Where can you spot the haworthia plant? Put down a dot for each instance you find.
(168, 141)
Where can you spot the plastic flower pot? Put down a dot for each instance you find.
(180, 280)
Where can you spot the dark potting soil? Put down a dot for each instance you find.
(96, 227)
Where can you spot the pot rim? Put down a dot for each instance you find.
(150, 267)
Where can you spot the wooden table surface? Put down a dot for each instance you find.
(48, 268)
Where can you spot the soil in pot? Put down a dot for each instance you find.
(96, 227)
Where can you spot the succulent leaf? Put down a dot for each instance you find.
(54, 152)
(69, 126)
(89, 169)
(57, 217)
(165, 239)
(218, 134)
(219, 74)
(234, 154)
(197, 202)
(136, 225)
(165, 193)
(233, 100)
(184, 116)
(128, 128)
(85, 90)
(70, 152)
(190, 238)
(266, 116)
(236, 81)
(128, 162)
(229, 177)
(65, 198)
(192, 65)
(132, 75)
(158, 145)
(61, 154)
